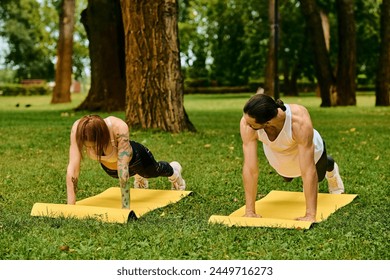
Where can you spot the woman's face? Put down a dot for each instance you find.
(90, 145)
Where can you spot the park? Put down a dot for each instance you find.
(202, 131)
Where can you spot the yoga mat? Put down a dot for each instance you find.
(107, 206)
(280, 209)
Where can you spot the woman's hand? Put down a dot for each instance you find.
(252, 215)
(307, 218)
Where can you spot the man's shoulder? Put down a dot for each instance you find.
(299, 111)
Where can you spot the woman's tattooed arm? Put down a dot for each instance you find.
(75, 180)
(125, 153)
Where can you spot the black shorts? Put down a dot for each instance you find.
(143, 164)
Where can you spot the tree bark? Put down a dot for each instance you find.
(346, 70)
(154, 83)
(102, 21)
(382, 90)
(269, 83)
(322, 63)
(63, 77)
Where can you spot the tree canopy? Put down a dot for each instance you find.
(222, 42)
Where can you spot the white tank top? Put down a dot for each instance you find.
(282, 153)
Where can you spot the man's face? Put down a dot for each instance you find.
(253, 124)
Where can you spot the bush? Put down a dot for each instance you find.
(24, 90)
(199, 82)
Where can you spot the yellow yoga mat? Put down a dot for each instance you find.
(107, 206)
(281, 208)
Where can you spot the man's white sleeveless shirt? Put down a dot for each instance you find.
(282, 153)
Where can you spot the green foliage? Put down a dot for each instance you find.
(228, 40)
(30, 29)
(225, 42)
(6, 76)
(24, 90)
(27, 40)
(34, 153)
(368, 41)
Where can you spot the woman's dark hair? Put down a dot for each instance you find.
(92, 128)
(263, 108)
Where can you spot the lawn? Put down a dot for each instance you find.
(34, 154)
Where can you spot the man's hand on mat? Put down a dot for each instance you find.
(308, 218)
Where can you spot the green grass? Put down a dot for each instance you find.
(34, 154)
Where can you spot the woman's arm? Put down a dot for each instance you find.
(125, 153)
(73, 170)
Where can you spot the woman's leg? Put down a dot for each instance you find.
(145, 166)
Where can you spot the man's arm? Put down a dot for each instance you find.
(73, 169)
(250, 169)
(303, 135)
(125, 153)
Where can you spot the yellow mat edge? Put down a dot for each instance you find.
(105, 214)
(231, 221)
(236, 218)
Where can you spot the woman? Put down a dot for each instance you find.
(107, 141)
(292, 147)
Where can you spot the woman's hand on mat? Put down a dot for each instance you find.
(308, 218)
(252, 215)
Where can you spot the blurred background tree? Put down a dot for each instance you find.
(225, 43)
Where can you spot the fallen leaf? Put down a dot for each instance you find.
(64, 248)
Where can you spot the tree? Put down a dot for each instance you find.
(292, 51)
(193, 48)
(102, 20)
(226, 32)
(382, 89)
(322, 65)
(269, 84)
(23, 27)
(346, 68)
(367, 14)
(61, 93)
(154, 83)
(30, 30)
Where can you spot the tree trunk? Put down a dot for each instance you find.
(322, 63)
(346, 70)
(269, 83)
(154, 83)
(383, 73)
(290, 81)
(61, 92)
(102, 21)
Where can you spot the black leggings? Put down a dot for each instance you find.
(325, 163)
(143, 164)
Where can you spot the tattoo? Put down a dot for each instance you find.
(75, 180)
(125, 153)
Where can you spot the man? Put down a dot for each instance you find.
(292, 147)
